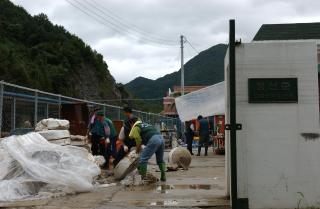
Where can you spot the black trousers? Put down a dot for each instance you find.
(122, 153)
(189, 142)
(204, 141)
(97, 148)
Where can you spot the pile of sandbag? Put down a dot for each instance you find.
(29, 162)
(54, 130)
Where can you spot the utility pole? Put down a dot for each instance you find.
(182, 65)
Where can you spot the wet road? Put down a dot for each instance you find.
(203, 185)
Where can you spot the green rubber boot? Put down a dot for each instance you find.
(162, 167)
(142, 168)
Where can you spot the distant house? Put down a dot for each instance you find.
(169, 107)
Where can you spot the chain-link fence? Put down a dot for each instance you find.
(22, 107)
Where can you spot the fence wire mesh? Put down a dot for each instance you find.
(22, 107)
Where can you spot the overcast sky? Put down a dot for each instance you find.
(128, 32)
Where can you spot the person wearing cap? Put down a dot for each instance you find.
(203, 134)
(92, 118)
(100, 132)
(124, 135)
(147, 135)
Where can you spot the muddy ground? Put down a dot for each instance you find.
(203, 185)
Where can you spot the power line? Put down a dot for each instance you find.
(130, 25)
(192, 46)
(120, 28)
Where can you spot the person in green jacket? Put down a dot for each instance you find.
(146, 134)
(111, 149)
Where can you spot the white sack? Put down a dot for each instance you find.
(55, 134)
(52, 124)
(179, 157)
(206, 102)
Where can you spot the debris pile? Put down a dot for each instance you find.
(28, 163)
(179, 157)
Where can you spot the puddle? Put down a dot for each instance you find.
(164, 189)
(219, 201)
(165, 203)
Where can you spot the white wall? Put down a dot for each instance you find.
(277, 167)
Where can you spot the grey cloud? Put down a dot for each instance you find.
(203, 22)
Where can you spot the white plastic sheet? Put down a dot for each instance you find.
(29, 161)
(206, 102)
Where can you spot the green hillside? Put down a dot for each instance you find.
(38, 54)
(207, 68)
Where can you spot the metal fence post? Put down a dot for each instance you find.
(35, 108)
(14, 113)
(59, 112)
(1, 104)
(119, 113)
(47, 110)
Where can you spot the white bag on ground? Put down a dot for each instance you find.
(35, 161)
(179, 157)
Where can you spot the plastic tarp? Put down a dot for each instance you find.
(28, 162)
(206, 102)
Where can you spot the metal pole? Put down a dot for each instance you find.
(47, 110)
(14, 113)
(35, 108)
(182, 65)
(233, 124)
(119, 113)
(59, 111)
(1, 104)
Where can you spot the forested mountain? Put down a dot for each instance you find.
(38, 54)
(207, 68)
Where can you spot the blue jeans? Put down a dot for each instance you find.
(154, 145)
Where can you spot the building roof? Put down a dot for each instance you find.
(294, 31)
